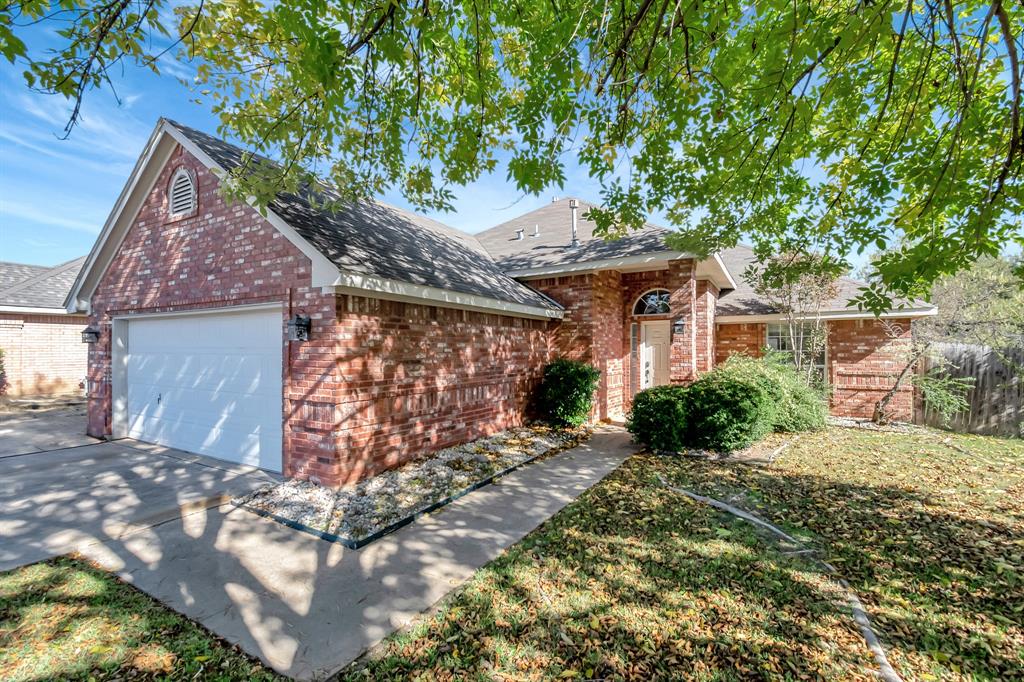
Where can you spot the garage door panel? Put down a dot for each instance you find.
(208, 383)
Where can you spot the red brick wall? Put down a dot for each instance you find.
(43, 354)
(683, 287)
(222, 255)
(864, 361)
(598, 323)
(574, 336)
(704, 322)
(415, 378)
(609, 352)
(378, 383)
(747, 338)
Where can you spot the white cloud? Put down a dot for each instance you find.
(42, 217)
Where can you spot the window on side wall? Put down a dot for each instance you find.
(778, 338)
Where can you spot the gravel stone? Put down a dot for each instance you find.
(357, 511)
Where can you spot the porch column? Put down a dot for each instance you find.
(682, 284)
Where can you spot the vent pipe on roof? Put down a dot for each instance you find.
(573, 206)
(519, 235)
(536, 230)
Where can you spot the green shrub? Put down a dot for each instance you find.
(796, 406)
(728, 412)
(567, 392)
(658, 418)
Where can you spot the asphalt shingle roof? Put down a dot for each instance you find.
(373, 238)
(37, 286)
(553, 246)
(743, 300)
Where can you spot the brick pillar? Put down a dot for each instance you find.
(682, 284)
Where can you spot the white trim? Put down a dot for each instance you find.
(74, 301)
(655, 260)
(712, 268)
(828, 315)
(389, 289)
(200, 311)
(119, 378)
(34, 311)
(730, 283)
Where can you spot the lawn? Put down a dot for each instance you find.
(64, 619)
(634, 581)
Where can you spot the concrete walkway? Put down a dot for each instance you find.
(308, 607)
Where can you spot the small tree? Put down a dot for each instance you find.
(799, 286)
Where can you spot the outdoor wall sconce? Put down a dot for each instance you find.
(90, 335)
(298, 328)
(678, 325)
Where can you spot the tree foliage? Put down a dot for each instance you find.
(808, 126)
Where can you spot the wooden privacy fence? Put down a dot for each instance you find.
(997, 399)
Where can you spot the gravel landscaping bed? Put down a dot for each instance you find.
(358, 511)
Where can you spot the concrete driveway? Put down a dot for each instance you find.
(58, 501)
(26, 431)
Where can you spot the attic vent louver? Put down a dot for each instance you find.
(182, 200)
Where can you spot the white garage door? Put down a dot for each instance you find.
(208, 383)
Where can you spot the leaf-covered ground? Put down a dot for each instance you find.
(634, 581)
(65, 620)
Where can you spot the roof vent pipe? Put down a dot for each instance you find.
(519, 235)
(536, 230)
(574, 206)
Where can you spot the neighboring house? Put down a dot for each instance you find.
(331, 345)
(43, 353)
(41, 342)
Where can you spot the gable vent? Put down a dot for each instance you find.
(183, 193)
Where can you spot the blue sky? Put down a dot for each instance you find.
(56, 194)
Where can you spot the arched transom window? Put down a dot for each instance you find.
(182, 194)
(654, 302)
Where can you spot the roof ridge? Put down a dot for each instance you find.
(37, 278)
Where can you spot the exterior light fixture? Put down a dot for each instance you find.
(298, 328)
(678, 325)
(90, 335)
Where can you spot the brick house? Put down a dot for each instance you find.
(333, 343)
(42, 346)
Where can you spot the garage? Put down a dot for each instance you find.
(206, 382)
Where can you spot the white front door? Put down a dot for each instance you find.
(655, 351)
(208, 383)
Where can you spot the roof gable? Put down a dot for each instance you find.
(553, 245)
(368, 246)
(43, 287)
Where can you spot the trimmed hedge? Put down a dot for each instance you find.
(566, 395)
(658, 418)
(729, 408)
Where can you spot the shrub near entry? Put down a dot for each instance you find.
(567, 393)
(728, 413)
(658, 418)
(797, 406)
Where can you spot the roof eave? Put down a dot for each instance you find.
(914, 312)
(654, 260)
(405, 292)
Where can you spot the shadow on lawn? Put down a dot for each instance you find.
(634, 581)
